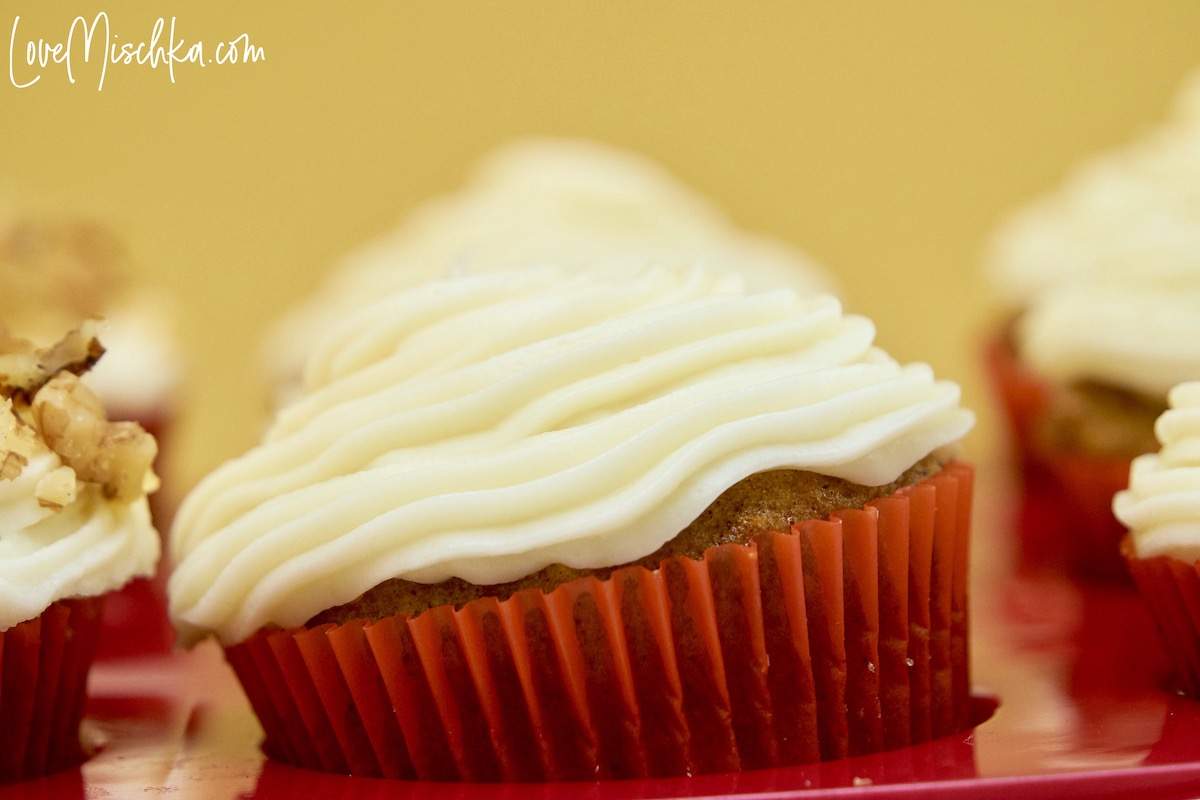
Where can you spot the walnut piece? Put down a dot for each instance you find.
(56, 489)
(115, 455)
(25, 368)
(12, 466)
(18, 442)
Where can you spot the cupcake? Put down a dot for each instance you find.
(564, 202)
(1161, 507)
(1102, 286)
(76, 529)
(544, 525)
(54, 274)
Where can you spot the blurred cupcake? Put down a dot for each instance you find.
(574, 204)
(541, 525)
(1162, 509)
(76, 529)
(1102, 280)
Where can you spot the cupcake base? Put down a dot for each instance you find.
(1171, 589)
(44, 664)
(1066, 521)
(843, 636)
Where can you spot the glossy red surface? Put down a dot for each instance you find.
(1079, 674)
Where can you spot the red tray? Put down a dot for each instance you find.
(1070, 698)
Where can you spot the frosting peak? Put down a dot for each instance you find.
(572, 204)
(486, 426)
(1161, 507)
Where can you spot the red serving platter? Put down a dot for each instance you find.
(1070, 680)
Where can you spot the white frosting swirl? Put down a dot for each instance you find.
(1130, 216)
(141, 368)
(569, 203)
(85, 549)
(1107, 270)
(1161, 507)
(1138, 337)
(487, 426)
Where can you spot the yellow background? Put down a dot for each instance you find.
(885, 138)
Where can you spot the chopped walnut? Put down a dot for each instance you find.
(12, 466)
(45, 407)
(18, 442)
(24, 367)
(56, 489)
(115, 455)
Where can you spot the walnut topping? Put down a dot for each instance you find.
(18, 442)
(24, 367)
(12, 466)
(116, 455)
(45, 407)
(56, 489)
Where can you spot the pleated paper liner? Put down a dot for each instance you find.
(1088, 539)
(1066, 519)
(840, 637)
(43, 682)
(1171, 589)
(1022, 393)
(135, 616)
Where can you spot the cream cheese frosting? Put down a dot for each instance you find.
(1105, 272)
(573, 204)
(91, 546)
(486, 426)
(1139, 337)
(1161, 507)
(141, 369)
(1128, 216)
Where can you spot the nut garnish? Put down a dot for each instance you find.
(56, 489)
(12, 466)
(24, 367)
(18, 442)
(45, 407)
(71, 419)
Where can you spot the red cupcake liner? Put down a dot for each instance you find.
(136, 622)
(1171, 589)
(1022, 393)
(1066, 520)
(44, 664)
(842, 636)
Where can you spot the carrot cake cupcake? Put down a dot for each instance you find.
(1161, 507)
(76, 527)
(1102, 283)
(546, 525)
(54, 274)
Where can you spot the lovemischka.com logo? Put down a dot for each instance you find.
(89, 48)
